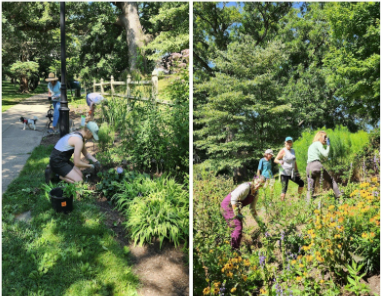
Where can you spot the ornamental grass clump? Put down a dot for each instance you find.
(155, 209)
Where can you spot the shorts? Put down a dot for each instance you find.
(60, 163)
(285, 180)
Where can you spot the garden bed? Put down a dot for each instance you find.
(161, 271)
(289, 254)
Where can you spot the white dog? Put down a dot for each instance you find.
(29, 122)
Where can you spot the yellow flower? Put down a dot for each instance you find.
(316, 211)
(223, 270)
(217, 284)
(339, 246)
(230, 274)
(211, 251)
(262, 291)
(305, 273)
(331, 207)
(206, 291)
(298, 278)
(374, 179)
(321, 281)
(293, 262)
(364, 235)
(233, 290)
(244, 277)
(301, 265)
(246, 262)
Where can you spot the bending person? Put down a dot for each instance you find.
(54, 91)
(243, 195)
(317, 153)
(93, 99)
(74, 143)
(287, 159)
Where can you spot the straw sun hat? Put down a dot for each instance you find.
(51, 77)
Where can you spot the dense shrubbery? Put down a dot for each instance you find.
(154, 137)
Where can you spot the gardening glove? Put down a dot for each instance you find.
(328, 142)
(92, 167)
(97, 166)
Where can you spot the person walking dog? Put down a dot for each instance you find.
(73, 143)
(245, 194)
(54, 92)
(316, 154)
(287, 159)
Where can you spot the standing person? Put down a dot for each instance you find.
(316, 153)
(93, 99)
(245, 194)
(73, 143)
(264, 167)
(287, 159)
(54, 90)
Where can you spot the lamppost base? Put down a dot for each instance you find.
(64, 121)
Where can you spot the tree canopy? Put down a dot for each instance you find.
(264, 71)
(97, 41)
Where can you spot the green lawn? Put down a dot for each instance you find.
(10, 95)
(58, 254)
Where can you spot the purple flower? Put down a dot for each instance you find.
(267, 234)
(282, 235)
(262, 260)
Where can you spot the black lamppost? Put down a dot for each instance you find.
(64, 110)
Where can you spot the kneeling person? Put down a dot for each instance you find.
(74, 143)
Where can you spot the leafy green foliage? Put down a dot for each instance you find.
(343, 158)
(106, 136)
(156, 208)
(172, 21)
(109, 182)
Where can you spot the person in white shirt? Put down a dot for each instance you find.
(245, 194)
(93, 99)
(287, 159)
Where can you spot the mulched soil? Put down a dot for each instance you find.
(162, 272)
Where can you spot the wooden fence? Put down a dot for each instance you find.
(154, 82)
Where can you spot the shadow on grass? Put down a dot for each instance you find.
(58, 254)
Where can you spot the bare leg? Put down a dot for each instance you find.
(282, 196)
(72, 176)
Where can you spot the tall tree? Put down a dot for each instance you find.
(129, 19)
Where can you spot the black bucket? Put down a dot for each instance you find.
(60, 203)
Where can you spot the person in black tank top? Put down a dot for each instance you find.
(68, 145)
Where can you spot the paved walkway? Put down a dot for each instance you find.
(18, 144)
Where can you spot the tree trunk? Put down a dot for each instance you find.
(129, 19)
(24, 87)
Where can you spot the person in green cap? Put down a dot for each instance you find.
(73, 143)
(287, 159)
